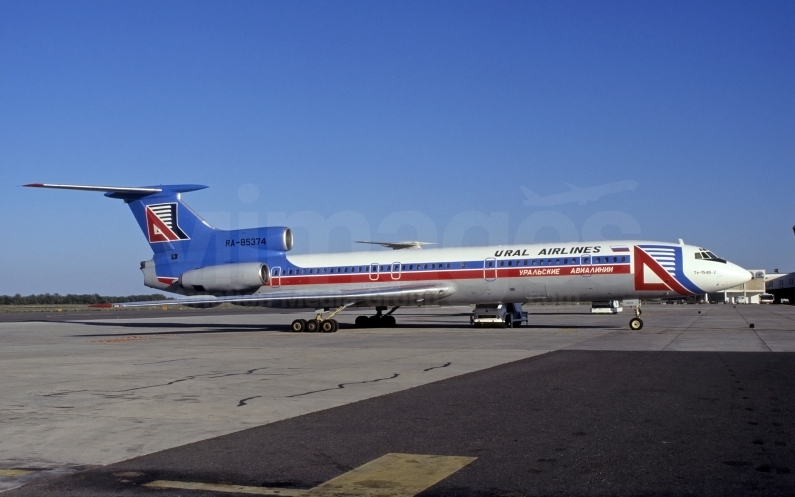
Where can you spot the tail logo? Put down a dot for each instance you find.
(161, 224)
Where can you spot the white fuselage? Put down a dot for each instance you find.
(519, 273)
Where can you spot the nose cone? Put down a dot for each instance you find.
(734, 275)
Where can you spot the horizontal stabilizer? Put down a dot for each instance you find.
(399, 245)
(89, 188)
(122, 192)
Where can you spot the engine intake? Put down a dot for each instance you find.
(226, 278)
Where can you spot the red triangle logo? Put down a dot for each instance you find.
(158, 231)
(644, 260)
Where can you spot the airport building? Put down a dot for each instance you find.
(782, 286)
(747, 293)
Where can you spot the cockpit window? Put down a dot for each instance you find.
(705, 254)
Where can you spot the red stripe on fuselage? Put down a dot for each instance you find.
(458, 274)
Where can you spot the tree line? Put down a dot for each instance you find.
(58, 299)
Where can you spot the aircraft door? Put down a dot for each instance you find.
(585, 261)
(395, 270)
(490, 269)
(276, 277)
(374, 272)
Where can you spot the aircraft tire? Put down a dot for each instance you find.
(298, 325)
(374, 322)
(362, 322)
(389, 321)
(312, 326)
(327, 326)
(635, 324)
(508, 322)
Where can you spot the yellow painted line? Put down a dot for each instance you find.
(15, 472)
(223, 487)
(393, 475)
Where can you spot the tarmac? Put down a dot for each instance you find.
(224, 403)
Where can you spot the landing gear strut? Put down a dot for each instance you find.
(320, 323)
(636, 323)
(379, 320)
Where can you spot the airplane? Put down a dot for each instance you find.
(253, 267)
(577, 194)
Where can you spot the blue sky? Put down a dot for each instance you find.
(369, 115)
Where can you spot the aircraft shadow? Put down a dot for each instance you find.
(470, 327)
(177, 328)
(189, 329)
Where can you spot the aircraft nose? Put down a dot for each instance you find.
(735, 275)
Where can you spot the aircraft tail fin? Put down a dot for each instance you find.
(167, 223)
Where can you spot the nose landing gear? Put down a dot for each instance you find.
(636, 323)
(379, 320)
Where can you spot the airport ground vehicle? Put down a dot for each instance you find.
(253, 267)
(504, 315)
(767, 298)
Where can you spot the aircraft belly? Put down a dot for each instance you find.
(594, 287)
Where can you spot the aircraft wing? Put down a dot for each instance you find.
(383, 295)
(399, 245)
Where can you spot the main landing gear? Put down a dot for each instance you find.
(315, 325)
(319, 324)
(636, 323)
(379, 320)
